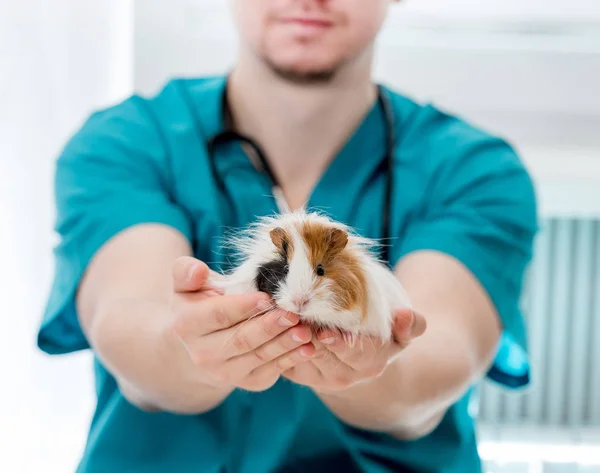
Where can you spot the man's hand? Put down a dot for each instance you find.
(427, 369)
(337, 366)
(230, 338)
(172, 342)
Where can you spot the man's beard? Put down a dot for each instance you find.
(300, 77)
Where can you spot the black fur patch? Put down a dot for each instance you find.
(270, 275)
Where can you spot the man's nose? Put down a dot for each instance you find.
(309, 3)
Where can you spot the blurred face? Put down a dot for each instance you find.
(308, 40)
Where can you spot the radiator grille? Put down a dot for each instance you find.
(561, 302)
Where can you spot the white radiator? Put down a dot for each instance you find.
(562, 306)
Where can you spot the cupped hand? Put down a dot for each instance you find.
(224, 336)
(340, 363)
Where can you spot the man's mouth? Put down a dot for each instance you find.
(307, 23)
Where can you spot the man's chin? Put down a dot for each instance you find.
(303, 75)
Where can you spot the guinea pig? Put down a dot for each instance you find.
(319, 269)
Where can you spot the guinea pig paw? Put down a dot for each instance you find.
(349, 338)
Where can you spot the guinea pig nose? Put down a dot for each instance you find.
(300, 302)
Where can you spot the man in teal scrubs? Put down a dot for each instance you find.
(185, 381)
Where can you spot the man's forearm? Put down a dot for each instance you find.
(151, 366)
(410, 398)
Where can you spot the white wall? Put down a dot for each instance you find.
(58, 61)
(497, 10)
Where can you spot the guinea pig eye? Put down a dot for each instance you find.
(320, 270)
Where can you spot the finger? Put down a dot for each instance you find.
(212, 314)
(256, 336)
(306, 374)
(336, 373)
(366, 351)
(419, 325)
(189, 274)
(277, 348)
(407, 326)
(267, 374)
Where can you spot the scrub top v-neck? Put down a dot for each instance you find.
(458, 190)
(352, 171)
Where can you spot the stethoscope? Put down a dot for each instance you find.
(230, 135)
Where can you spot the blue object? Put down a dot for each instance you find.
(230, 135)
(457, 190)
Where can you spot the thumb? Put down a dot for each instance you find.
(189, 274)
(408, 325)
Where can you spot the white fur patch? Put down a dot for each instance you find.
(384, 292)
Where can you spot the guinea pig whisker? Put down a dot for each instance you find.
(272, 273)
(268, 271)
(370, 338)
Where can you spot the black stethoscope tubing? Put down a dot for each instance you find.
(230, 135)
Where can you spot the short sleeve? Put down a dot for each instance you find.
(112, 174)
(480, 208)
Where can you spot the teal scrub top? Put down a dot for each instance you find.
(458, 190)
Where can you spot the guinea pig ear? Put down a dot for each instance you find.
(338, 239)
(280, 239)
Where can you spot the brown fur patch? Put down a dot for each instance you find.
(323, 242)
(350, 285)
(327, 246)
(338, 239)
(282, 240)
